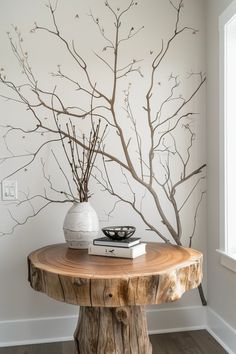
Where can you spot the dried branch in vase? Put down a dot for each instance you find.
(82, 162)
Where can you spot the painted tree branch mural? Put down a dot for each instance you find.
(154, 143)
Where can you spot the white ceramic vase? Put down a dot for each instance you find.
(81, 225)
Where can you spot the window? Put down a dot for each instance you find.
(227, 29)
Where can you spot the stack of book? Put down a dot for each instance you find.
(126, 248)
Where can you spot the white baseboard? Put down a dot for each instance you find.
(221, 331)
(176, 319)
(54, 329)
(38, 330)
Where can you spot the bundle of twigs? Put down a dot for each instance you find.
(82, 159)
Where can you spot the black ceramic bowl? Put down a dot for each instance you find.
(118, 232)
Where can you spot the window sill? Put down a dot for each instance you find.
(228, 260)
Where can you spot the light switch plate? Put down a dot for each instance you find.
(9, 190)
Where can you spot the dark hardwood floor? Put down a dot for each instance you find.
(192, 342)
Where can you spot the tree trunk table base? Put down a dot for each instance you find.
(112, 330)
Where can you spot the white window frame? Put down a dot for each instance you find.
(227, 259)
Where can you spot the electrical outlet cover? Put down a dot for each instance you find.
(9, 190)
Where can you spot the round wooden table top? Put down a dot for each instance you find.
(163, 274)
(160, 257)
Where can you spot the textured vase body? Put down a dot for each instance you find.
(81, 225)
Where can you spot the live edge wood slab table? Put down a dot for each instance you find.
(112, 292)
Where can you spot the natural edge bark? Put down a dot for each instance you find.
(125, 291)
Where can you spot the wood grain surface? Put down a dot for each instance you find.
(120, 330)
(73, 276)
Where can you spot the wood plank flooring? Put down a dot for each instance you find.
(192, 342)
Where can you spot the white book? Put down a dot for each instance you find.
(131, 252)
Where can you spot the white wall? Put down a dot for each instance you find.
(221, 281)
(17, 300)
